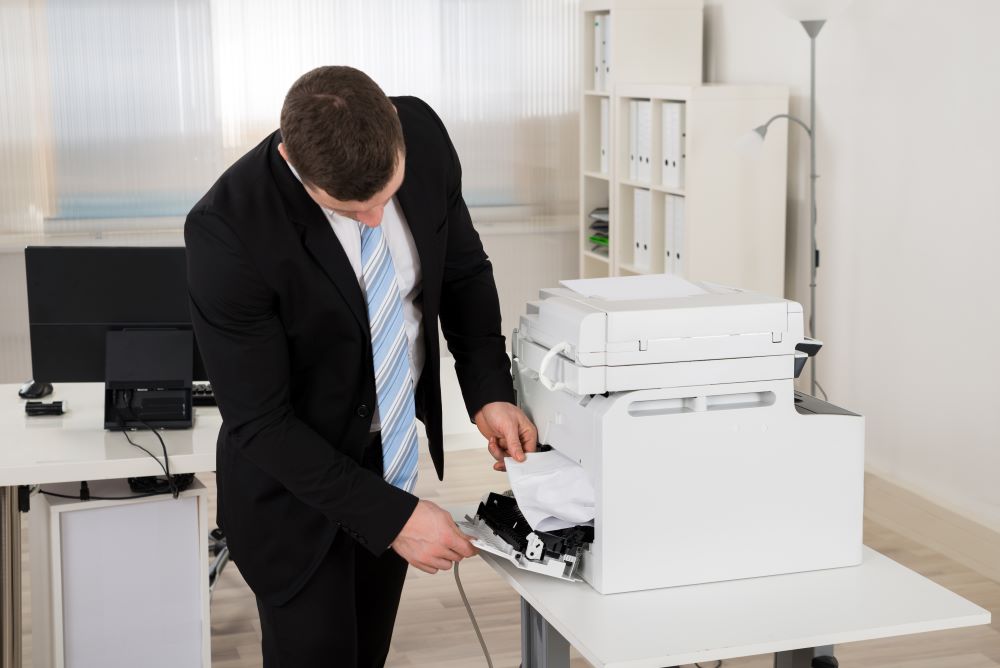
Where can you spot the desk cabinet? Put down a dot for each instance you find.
(120, 583)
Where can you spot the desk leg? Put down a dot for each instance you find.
(803, 658)
(10, 579)
(541, 645)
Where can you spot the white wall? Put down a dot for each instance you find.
(908, 135)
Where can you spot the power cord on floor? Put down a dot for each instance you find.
(472, 617)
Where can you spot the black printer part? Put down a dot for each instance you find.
(800, 362)
(806, 404)
(808, 346)
(504, 518)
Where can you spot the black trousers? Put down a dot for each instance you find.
(344, 614)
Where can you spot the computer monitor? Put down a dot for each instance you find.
(118, 316)
(76, 294)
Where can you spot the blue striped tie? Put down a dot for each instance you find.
(391, 354)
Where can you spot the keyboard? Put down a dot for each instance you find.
(202, 395)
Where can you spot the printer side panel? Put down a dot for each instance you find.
(698, 486)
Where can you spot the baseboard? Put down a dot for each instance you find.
(968, 542)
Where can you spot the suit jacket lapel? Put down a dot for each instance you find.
(411, 212)
(317, 235)
(417, 198)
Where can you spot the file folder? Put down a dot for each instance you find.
(680, 235)
(673, 144)
(642, 225)
(668, 233)
(605, 131)
(633, 141)
(644, 141)
(600, 51)
(607, 52)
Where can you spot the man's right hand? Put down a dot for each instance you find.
(430, 539)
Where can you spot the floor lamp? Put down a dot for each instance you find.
(812, 14)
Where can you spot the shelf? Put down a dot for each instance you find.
(689, 92)
(597, 93)
(654, 187)
(594, 256)
(670, 191)
(632, 269)
(596, 175)
(636, 184)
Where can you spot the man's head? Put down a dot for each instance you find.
(342, 135)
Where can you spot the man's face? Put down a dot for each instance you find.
(368, 212)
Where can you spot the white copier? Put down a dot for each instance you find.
(707, 465)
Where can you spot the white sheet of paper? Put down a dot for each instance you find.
(646, 286)
(552, 491)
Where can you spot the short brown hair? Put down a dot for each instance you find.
(341, 132)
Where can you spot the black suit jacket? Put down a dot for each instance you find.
(282, 326)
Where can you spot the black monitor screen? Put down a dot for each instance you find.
(77, 294)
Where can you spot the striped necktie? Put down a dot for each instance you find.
(391, 356)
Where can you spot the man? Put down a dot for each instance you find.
(318, 267)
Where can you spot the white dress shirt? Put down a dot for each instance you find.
(405, 261)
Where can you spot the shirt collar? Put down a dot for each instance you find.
(328, 212)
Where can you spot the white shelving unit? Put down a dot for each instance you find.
(733, 202)
(647, 41)
(733, 226)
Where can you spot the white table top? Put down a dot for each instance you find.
(75, 446)
(723, 620)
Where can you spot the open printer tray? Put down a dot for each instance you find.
(499, 528)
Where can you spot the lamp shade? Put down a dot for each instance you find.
(751, 143)
(811, 10)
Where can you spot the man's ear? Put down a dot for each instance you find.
(282, 151)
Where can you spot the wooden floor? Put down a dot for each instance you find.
(433, 629)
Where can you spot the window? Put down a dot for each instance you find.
(130, 110)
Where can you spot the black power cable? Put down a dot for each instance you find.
(98, 498)
(129, 396)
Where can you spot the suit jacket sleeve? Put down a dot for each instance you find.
(470, 308)
(243, 344)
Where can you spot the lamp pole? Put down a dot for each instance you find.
(812, 28)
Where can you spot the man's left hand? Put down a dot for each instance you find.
(510, 432)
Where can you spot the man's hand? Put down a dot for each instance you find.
(509, 431)
(430, 540)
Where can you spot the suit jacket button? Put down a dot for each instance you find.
(363, 411)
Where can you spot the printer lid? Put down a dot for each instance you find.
(659, 318)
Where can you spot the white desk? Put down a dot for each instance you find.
(787, 615)
(74, 447)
